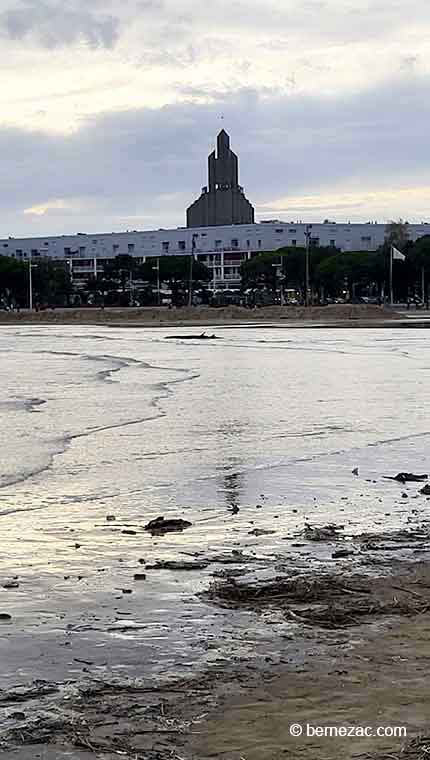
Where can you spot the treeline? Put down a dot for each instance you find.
(51, 283)
(123, 282)
(349, 275)
(126, 282)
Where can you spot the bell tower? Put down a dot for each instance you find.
(223, 201)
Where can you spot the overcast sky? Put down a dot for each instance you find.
(110, 107)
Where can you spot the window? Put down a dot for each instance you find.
(333, 243)
(248, 244)
(259, 243)
(294, 243)
(314, 241)
(67, 251)
(234, 243)
(218, 243)
(366, 239)
(130, 247)
(35, 252)
(18, 252)
(293, 232)
(95, 242)
(279, 232)
(165, 246)
(115, 248)
(181, 245)
(5, 245)
(82, 249)
(45, 243)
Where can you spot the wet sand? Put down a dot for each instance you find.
(375, 677)
(370, 671)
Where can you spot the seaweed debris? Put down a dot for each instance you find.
(331, 600)
(416, 749)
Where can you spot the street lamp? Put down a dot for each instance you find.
(30, 281)
(157, 268)
(131, 286)
(281, 277)
(193, 248)
(307, 277)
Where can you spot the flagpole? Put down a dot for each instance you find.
(30, 283)
(391, 277)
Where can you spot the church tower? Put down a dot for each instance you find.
(223, 201)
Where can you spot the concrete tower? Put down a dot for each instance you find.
(223, 201)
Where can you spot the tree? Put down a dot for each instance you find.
(354, 271)
(121, 270)
(263, 268)
(397, 234)
(13, 281)
(52, 283)
(419, 255)
(260, 270)
(317, 255)
(175, 271)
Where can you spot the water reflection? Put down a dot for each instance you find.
(232, 487)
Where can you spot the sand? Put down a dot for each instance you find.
(348, 315)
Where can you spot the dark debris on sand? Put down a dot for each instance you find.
(332, 599)
(128, 719)
(161, 525)
(416, 749)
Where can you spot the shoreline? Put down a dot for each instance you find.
(374, 668)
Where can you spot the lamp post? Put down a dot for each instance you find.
(157, 269)
(193, 248)
(281, 278)
(307, 264)
(69, 262)
(158, 281)
(30, 281)
(131, 286)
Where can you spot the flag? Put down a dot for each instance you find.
(397, 255)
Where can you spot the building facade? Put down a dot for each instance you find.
(223, 201)
(221, 248)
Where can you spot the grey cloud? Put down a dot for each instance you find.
(52, 24)
(334, 20)
(142, 167)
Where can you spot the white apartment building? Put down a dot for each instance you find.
(221, 248)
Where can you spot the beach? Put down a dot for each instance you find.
(108, 628)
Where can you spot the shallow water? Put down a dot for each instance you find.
(110, 421)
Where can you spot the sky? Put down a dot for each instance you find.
(110, 108)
